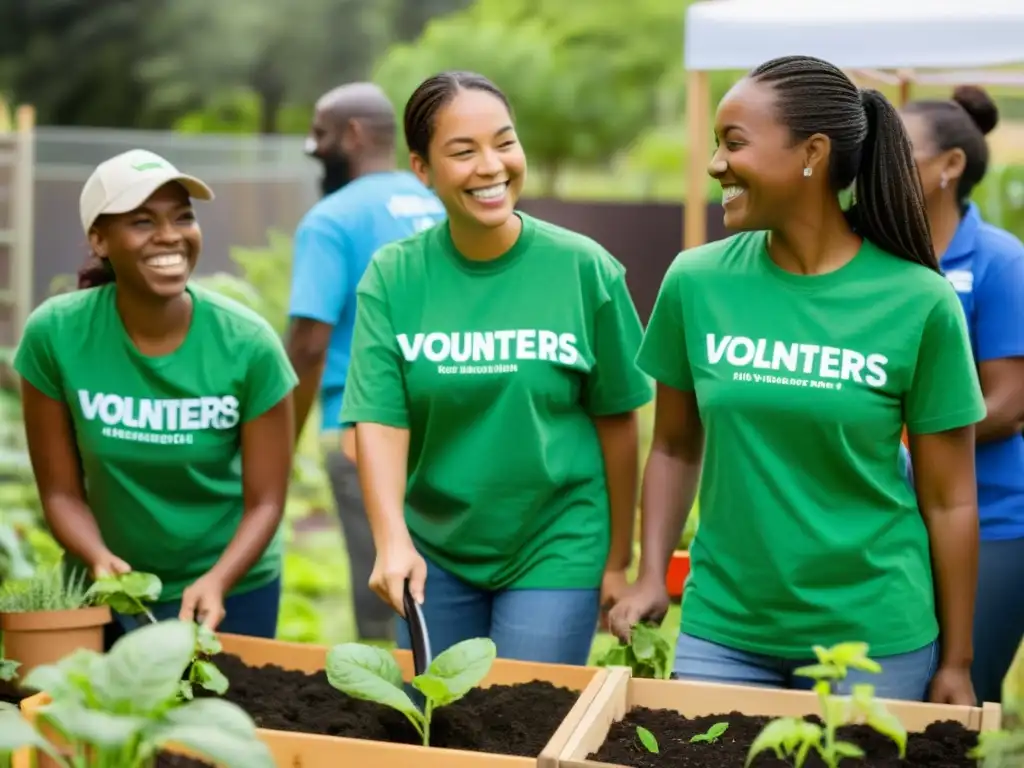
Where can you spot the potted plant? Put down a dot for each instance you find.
(54, 612)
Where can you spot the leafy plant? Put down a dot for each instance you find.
(796, 737)
(372, 674)
(202, 671)
(648, 654)
(999, 749)
(648, 740)
(712, 735)
(120, 710)
(47, 589)
(127, 593)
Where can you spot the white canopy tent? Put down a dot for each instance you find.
(881, 39)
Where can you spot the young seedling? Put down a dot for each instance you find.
(127, 593)
(202, 671)
(648, 654)
(712, 735)
(999, 749)
(372, 674)
(647, 739)
(120, 710)
(9, 669)
(796, 737)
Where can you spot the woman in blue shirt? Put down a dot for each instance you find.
(985, 264)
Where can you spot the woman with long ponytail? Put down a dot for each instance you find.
(788, 358)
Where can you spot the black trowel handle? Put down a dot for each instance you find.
(421, 654)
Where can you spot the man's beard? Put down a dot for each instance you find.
(337, 173)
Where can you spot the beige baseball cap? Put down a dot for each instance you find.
(124, 182)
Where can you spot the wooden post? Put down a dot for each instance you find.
(23, 218)
(698, 110)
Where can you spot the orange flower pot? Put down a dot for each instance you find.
(678, 570)
(35, 638)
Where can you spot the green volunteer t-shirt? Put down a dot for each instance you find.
(160, 437)
(497, 369)
(809, 533)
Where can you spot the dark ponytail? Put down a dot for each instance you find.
(888, 204)
(869, 148)
(94, 273)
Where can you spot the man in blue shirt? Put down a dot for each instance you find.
(367, 204)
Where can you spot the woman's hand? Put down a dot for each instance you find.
(397, 561)
(108, 564)
(614, 585)
(952, 685)
(646, 599)
(203, 602)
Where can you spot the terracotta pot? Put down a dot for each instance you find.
(678, 570)
(45, 637)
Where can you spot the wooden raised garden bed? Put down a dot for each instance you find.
(521, 716)
(675, 711)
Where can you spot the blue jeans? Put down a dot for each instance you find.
(553, 626)
(998, 626)
(904, 676)
(253, 613)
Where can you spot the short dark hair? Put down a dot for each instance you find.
(869, 148)
(961, 123)
(431, 96)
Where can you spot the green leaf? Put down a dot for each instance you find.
(843, 749)
(717, 730)
(207, 642)
(90, 726)
(145, 666)
(784, 736)
(126, 593)
(9, 669)
(819, 672)
(434, 688)
(16, 732)
(647, 739)
(79, 676)
(614, 657)
(371, 674)
(208, 676)
(712, 735)
(225, 748)
(461, 668)
(216, 713)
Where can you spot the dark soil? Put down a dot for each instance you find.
(942, 745)
(165, 760)
(10, 693)
(503, 719)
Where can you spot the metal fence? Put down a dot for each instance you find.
(261, 182)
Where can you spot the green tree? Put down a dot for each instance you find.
(567, 100)
(284, 53)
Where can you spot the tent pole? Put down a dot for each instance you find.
(698, 113)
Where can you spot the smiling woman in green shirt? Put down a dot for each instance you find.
(788, 358)
(159, 414)
(493, 390)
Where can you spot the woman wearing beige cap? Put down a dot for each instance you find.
(159, 414)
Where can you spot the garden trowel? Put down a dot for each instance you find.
(421, 654)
